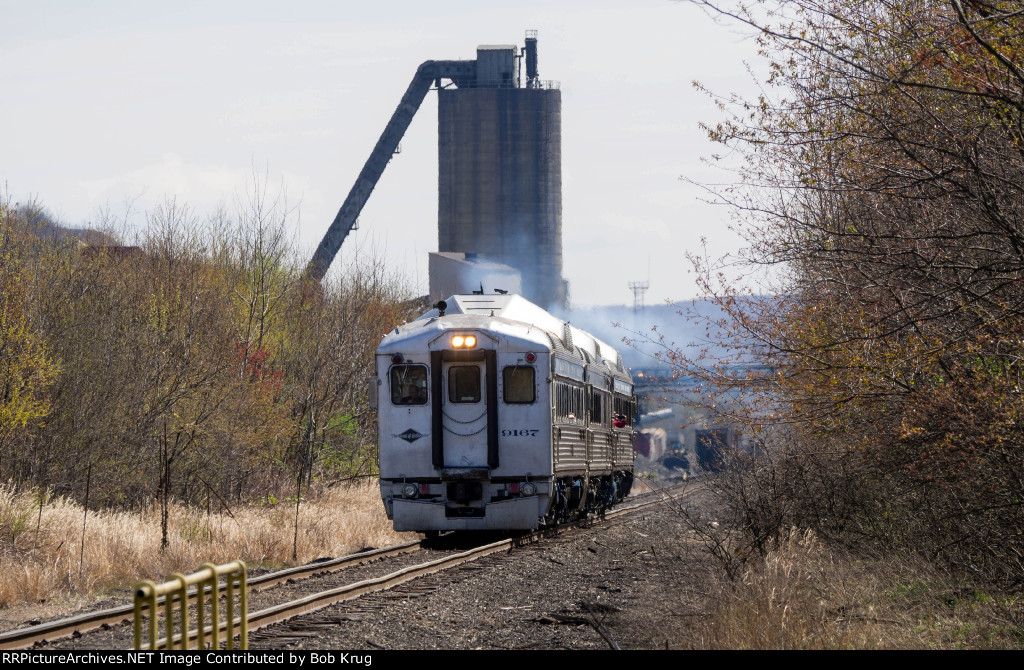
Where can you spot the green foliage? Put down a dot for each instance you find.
(27, 367)
(194, 366)
(15, 516)
(348, 462)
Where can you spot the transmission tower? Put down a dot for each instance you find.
(639, 288)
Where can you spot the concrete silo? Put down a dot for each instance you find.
(500, 170)
(500, 167)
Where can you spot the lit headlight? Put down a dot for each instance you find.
(463, 341)
(528, 489)
(409, 491)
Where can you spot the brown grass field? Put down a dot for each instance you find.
(45, 572)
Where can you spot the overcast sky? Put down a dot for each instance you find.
(106, 102)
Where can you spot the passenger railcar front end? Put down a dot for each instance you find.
(468, 425)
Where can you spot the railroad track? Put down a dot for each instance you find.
(84, 623)
(281, 612)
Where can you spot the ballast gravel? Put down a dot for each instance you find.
(626, 583)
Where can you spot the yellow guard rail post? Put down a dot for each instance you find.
(176, 590)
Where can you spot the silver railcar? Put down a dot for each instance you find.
(496, 415)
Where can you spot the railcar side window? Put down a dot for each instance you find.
(623, 409)
(409, 384)
(464, 383)
(519, 384)
(568, 403)
(596, 407)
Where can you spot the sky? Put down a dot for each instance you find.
(117, 106)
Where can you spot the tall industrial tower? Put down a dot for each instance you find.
(500, 169)
(500, 166)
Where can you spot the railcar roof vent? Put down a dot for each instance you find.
(567, 336)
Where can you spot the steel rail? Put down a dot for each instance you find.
(83, 623)
(317, 601)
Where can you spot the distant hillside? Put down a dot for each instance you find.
(42, 224)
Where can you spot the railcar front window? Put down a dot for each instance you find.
(409, 384)
(518, 381)
(464, 383)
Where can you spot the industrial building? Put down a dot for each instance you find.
(454, 272)
(500, 167)
(500, 170)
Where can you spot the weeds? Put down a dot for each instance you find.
(802, 594)
(122, 547)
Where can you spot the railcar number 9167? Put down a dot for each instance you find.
(527, 432)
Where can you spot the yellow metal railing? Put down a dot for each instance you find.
(207, 583)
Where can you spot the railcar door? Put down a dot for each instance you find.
(465, 421)
(464, 415)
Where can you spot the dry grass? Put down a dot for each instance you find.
(801, 596)
(124, 547)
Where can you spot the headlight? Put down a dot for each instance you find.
(409, 490)
(463, 341)
(528, 489)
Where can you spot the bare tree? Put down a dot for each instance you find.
(883, 173)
